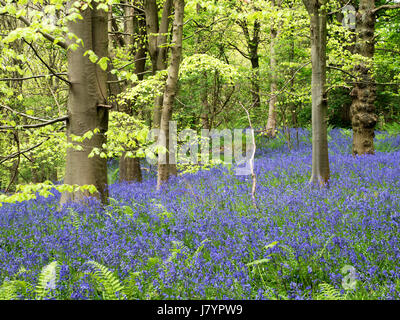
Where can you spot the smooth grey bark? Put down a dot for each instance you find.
(320, 159)
(170, 91)
(87, 91)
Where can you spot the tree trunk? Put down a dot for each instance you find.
(252, 47)
(255, 80)
(88, 89)
(157, 38)
(205, 112)
(271, 123)
(129, 168)
(170, 91)
(320, 160)
(362, 110)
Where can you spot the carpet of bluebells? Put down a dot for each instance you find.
(202, 238)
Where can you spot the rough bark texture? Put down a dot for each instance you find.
(320, 161)
(171, 87)
(88, 89)
(362, 109)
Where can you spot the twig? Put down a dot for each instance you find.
(386, 6)
(23, 114)
(47, 66)
(37, 125)
(33, 77)
(16, 154)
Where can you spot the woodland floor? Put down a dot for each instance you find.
(202, 237)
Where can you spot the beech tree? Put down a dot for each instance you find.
(87, 104)
(157, 32)
(170, 92)
(57, 74)
(271, 122)
(320, 160)
(132, 39)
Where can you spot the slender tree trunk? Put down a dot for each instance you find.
(157, 40)
(170, 90)
(255, 65)
(158, 49)
(129, 168)
(205, 112)
(114, 87)
(362, 111)
(88, 89)
(255, 80)
(320, 160)
(271, 123)
(253, 42)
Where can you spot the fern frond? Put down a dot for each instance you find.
(130, 289)
(110, 283)
(9, 289)
(329, 292)
(47, 280)
(76, 221)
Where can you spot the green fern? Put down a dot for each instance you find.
(76, 220)
(47, 280)
(10, 289)
(329, 292)
(110, 284)
(131, 290)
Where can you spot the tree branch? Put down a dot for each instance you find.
(16, 154)
(386, 7)
(240, 51)
(23, 114)
(37, 125)
(34, 77)
(336, 68)
(47, 66)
